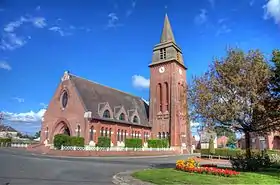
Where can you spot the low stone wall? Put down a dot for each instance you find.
(109, 153)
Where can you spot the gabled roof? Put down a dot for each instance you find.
(93, 94)
(6, 128)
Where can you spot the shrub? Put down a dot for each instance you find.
(65, 140)
(221, 152)
(133, 143)
(76, 141)
(61, 139)
(274, 158)
(5, 140)
(104, 142)
(158, 143)
(256, 162)
(211, 147)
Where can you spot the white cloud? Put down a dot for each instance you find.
(11, 41)
(201, 18)
(194, 124)
(60, 31)
(113, 20)
(43, 105)
(272, 10)
(197, 138)
(39, 22)
(38, 8)
(223, 30)
(10, 27)
(140, 82)
(5, 65)
(20, 100)
(130, 11)
(27, 117)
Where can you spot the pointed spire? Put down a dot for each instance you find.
(167, 34)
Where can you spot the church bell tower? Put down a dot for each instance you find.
(168, 101)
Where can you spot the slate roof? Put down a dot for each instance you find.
(7, 128)
(95, 95)
(167, 33)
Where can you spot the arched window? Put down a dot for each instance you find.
(138, 135)
(110, 132)
(135, 119)
(122, 116)
(125, 135)
(166, 95)
(78, 130)
(102, 131)
(106, 132)
(118, 139)
(159, 135)
(159, 95)
(106, 114)
(91, 133)
(163, 135)
(122, 135)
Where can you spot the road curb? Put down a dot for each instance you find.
(125, 178)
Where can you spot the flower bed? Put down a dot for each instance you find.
(192, 166)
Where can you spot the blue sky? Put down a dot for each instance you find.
(111, 42)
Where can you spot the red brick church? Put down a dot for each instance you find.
(84, 108)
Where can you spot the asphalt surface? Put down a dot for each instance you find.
(19, 167)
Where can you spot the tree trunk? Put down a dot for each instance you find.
(248, 144)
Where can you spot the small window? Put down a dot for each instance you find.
(118, 139)
(102, 130)
(122, 116)
(122, 135)
(91, 134)
(132, 134)
(78, 130)
(135, 119)
(110, 132)
(159, 135)
(163, 135)
(106, 132)
(138, 135)
(162, 53)
(106, 114)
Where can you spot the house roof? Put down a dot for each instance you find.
(7, 128)
(95, 96)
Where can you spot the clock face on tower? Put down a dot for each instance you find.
(161, 69)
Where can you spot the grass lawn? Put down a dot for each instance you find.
(172, 176)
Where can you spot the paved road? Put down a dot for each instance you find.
(18, 167)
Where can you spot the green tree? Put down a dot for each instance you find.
(37, 134)
(275, 79)
(233, 93)
(231, 141)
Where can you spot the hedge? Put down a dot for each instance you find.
(158, 143)
(133, 143)
(65, 140)
(5, 140)
(104, 142)
(220, 152)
